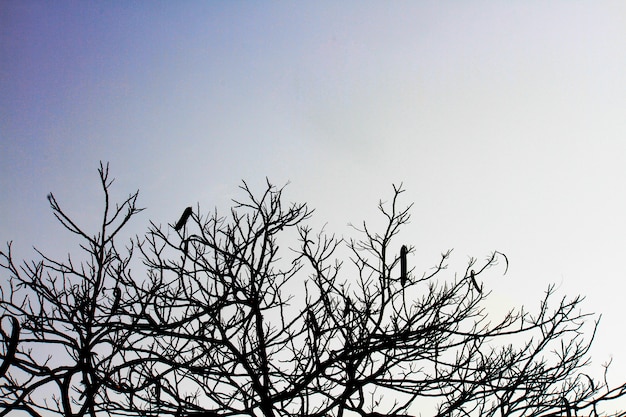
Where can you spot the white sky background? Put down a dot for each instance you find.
(504, 120)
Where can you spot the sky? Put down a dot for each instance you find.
(504, 121)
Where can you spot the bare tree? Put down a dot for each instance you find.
(245, 328)
(253, 313)
(66, 318)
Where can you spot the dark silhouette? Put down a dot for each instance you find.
(117, 295)
(473, 277)
(240, 325)
(183, 219)
(403, 266)
(568, 407)
(185, 246)
(313, 323)
(347, 307)
(12, 342)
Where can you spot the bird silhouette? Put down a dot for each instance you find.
(403, 267)
(347, 308)
(313, 323)
(117, 293)
(11, 348)
(473, 277)
(183, 219)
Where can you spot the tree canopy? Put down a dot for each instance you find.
(254, 312)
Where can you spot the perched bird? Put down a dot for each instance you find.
(11, 348)
(347, 308)
(117, 293)
(313, 323)
(183, 219)
(473, 277)
(403, 268)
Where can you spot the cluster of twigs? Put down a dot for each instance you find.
(229, 319)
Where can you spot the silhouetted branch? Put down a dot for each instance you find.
(255, 313)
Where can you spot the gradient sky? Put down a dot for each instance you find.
(506, 122)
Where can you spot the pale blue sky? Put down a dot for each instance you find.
(505, 121)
